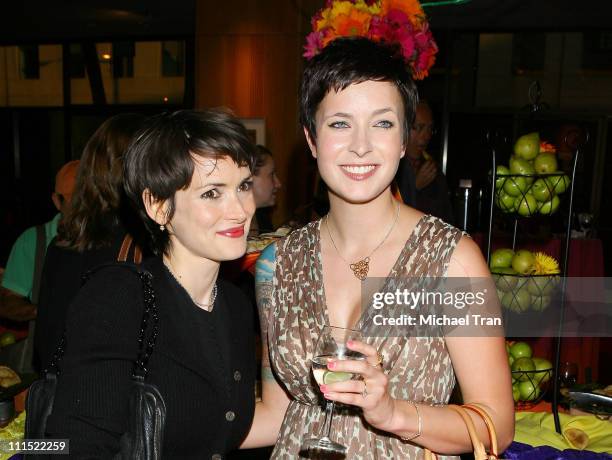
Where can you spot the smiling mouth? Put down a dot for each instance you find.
(358, 172)
(235, 232)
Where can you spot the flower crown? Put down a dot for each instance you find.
(391, 21)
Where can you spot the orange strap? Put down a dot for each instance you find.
(126, 245)
(480, 452)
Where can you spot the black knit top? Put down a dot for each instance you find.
(203, 364)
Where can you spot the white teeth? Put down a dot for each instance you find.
(359, 169)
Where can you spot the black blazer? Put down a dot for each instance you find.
(203, 364)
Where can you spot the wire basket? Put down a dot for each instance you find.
(530, 194)
(529, 387)
(521, 293)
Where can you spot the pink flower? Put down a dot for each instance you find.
(313, 44)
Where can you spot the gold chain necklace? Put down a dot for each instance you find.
(362, 267)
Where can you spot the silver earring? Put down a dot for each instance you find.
(162, 227)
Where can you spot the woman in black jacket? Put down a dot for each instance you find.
(189, 175)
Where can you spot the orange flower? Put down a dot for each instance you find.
(355, 23)
(546, 147)
(412, 8)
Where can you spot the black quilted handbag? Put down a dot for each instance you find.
(147, 410)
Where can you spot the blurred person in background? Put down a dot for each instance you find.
(265, 187)
(92, 231)
(420, 181)
(21, 280)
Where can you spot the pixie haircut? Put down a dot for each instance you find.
(160, 159)
(349, 60)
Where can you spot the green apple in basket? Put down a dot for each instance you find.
(541, 190)
(527, 146)
(500, 172)
(540, 302)
(541, 285)
(544, 366)
(559, 183)
(523, 262)
(501, 258)
(528, 391)
(515, 186)
(505, 278)
(521, 366)
(522, 167)
(549, 207)
(545, 163)
(526, 205)
(521, 350)
(517, 300)
(504, 201)
(516, 393)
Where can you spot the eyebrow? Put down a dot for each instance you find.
(348, 115)
(221, 184)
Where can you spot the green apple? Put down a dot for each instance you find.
(515, 186)
(505, 283)
(7, 338)
(549, 207)
(504, 201)
(520, 366)
(517, 301)
(522, 167)
(516, 393)
(528, 391)
(510, 360)
(527, 146)
(545, 366)
(526, 205)
(501, 171)
(540, 303)
(545, 163)
(559, 183)
(501, 258)
(521, 350)
(541, 285)
(541, 190)
(523, 262)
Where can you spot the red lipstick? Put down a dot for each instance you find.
(234, 232)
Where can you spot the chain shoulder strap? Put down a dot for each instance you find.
(150, 311)
(146, 345)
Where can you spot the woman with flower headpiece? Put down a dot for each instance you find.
(357, 105)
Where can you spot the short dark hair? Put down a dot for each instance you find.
(159, 159)
(263, 153)
(349, 60)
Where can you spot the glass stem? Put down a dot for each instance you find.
(329, 411)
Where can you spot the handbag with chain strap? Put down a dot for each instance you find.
(147, 409)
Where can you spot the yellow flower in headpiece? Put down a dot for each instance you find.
(373, 9)
(341, 8)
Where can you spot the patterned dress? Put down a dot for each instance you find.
(419, 368)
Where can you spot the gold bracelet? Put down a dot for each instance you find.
(419, 422)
